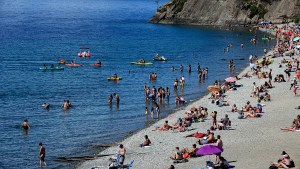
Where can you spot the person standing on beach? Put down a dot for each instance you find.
(121, 155)
(270, 75)
(219, 144)
(42, 155)
(214, 119)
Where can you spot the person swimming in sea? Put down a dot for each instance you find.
(46, 105)
(25, 125)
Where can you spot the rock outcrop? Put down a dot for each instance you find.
(225, 12)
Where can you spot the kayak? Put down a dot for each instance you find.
(97, 65)
(49, 68)
(113, 78)
(267, 38)
(160, 58)
(73, 65)
(139, 63)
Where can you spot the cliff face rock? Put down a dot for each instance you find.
(225, 12)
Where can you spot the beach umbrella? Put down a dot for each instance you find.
(213, 88)
(209, 150)
(296, 39)
(230, 79)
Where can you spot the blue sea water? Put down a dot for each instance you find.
(35, 32)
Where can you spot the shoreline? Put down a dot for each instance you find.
(143, 156)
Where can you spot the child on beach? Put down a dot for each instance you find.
(147, 141)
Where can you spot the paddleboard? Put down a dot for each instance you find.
(139, 63)
(111, 78)
(73, 65)
(97, 65)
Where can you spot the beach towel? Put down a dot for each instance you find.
(199, 135)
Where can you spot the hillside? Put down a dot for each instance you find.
(225, 12)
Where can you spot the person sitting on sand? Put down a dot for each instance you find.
(285, 162)
(191, 152)
(147, 142)
(234, 108)
(267, 97)
(25, 125)
(208, 139)
(179, 125)
(295, 126)
(223, 123)
(251, 113)
(177, 155)
(247, 107)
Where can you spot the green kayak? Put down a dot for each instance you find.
(53, 68)
(139, 63)
(267, 38)
(113, 78)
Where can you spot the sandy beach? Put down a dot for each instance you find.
(251, 143)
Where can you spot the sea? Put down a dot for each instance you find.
(35, 32)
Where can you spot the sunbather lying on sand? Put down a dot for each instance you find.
(191, 152)
(295, 126)
(285, 162)
(164, 127)
(177, 155)
(196, 134)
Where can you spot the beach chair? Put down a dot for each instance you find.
(130, 164)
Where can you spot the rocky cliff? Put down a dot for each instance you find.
(225, 12)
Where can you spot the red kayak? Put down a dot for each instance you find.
(97, 65)
(73, 65)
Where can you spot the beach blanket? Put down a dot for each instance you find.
(199, 135)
